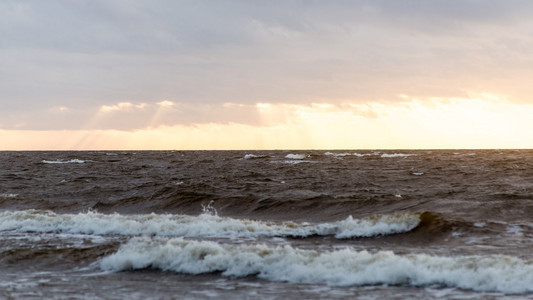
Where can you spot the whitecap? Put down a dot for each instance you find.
(296, 156)
(480, 224)
(344, 154)
(291, 162)
(364, 154)
(337, 155)
(346, 267)
(386, 155)
(254, 156)
(208, 224)
(59, 161)
(515, 230)
(9, 195)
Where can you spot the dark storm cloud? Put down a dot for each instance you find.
(85, 54)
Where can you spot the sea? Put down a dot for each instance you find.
(300, 224)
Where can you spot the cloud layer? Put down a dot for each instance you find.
(62, 62)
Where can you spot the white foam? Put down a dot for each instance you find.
(515, 230)
(340, 155)
(59, 161)
(296, 156)
(364, 154)
(464, 154)
(204, 225)
(337, 155)
(291, 162)
(345, 267)
(254, 156)
(9, 195)
(385, 155)
(480, 224)
(418, 173)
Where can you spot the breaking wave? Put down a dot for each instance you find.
(385, 155)
(345, 267)
(296, 156)
(337, 154)
(254, 156)
(344, 154)
(378, 154)
(8, 195)
(59, 161)
(204, 225)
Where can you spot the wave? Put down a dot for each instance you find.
(291, 162)
(204, 225)
(382, 155)
(254, 156)
(365, 154)
(345, 267)
(386, 155)
(296, 156)
(59, 161)
(337, 155)
(344, 154)
(8, 195)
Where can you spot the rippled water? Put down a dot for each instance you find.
(266, 224)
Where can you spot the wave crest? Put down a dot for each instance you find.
(204, 225)
(340, 268)
(59, 161)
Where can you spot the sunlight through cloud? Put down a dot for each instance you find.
(481, 121)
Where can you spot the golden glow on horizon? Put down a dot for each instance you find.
(483, 121)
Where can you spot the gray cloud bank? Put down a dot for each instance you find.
(86, 54)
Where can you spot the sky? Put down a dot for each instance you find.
(220, 74)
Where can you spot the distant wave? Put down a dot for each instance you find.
(291, 162)
(204, 225)
(254, 156)
(347, 267)
(296, 156)
(344, 154)
(382, 155)
(8, 195)
(72, 161)
(386, 155)
(337, 154)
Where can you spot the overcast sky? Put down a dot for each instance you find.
(118, 64)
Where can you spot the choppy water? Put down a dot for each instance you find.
(266, 224)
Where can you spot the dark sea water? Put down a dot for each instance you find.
(267, 225)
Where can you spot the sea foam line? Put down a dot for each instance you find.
(204, 225)
(345, 267)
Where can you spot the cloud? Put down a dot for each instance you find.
(166, 103)
(132, 116)
(476, 122)
(201, 55)
(122, 106)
